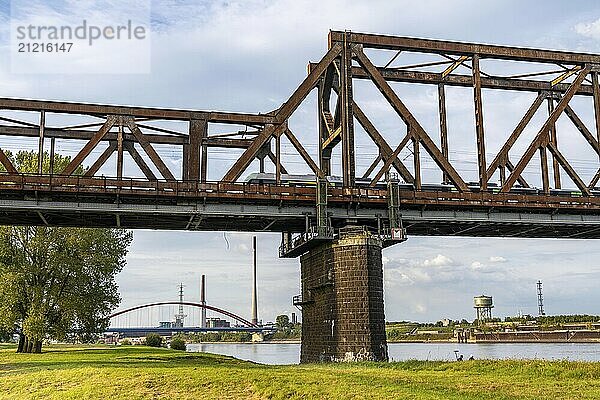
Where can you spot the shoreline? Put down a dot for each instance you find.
(424, 342)
(250, 342)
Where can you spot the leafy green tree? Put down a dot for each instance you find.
(153, 340)
(282, 322)
(57, 282)
(178, 344)
(5, 336)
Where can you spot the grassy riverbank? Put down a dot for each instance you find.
(135, 372)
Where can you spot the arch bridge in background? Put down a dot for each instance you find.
(191, 304)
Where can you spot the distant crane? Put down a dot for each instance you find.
(541, 312)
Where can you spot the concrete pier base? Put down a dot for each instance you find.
(342, 300)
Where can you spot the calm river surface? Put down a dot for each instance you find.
(289, 353)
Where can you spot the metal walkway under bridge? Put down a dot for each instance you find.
(528, 186)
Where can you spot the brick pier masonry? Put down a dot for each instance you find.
(342, 291)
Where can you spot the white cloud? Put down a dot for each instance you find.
(242, 248)
(420, 308)
(249, 56)
(476, 265)
(589, 29)
(438, 261)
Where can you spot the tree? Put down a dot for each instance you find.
(153, 340)
(5, 336)
(282, 321)
(57, 282)
(178, 344)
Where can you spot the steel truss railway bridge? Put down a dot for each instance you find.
(341, 228)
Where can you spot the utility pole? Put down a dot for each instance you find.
(254, 294)
(180, 316)
(541, 312)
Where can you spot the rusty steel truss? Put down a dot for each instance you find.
(488, 207)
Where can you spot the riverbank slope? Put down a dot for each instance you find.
(137, 372)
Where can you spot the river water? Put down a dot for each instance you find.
(289, 353)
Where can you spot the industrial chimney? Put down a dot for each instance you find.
(254, 297)
(203, 301)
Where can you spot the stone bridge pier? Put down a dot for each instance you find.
(342, 299)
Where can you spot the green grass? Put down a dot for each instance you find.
(135, 372)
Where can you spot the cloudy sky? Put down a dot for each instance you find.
(249, 56)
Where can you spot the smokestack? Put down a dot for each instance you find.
(203, 301)
(254, 299)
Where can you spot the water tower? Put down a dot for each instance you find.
(483, 307)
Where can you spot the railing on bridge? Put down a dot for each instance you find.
(55, 183)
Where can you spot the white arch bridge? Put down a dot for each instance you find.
(145, 318)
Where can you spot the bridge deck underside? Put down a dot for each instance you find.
(431, 214)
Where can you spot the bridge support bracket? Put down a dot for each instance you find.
(314, 235)
(396, 233)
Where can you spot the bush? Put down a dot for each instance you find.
(125, 342)
(153, 340)
(178, 344)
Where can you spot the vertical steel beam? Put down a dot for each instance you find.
(184, 164)
(204, 166)
(393, 204)
(120, 150)
(554, 139)
(479, 123)
(417, 162)
(347, 117)
(544, 165)
(198, 131)
(324, 94)
(596, 89)
(502, 174)
(278, 158)
(322, 225)
(52, 145)
(443, 126)
(41, 142)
